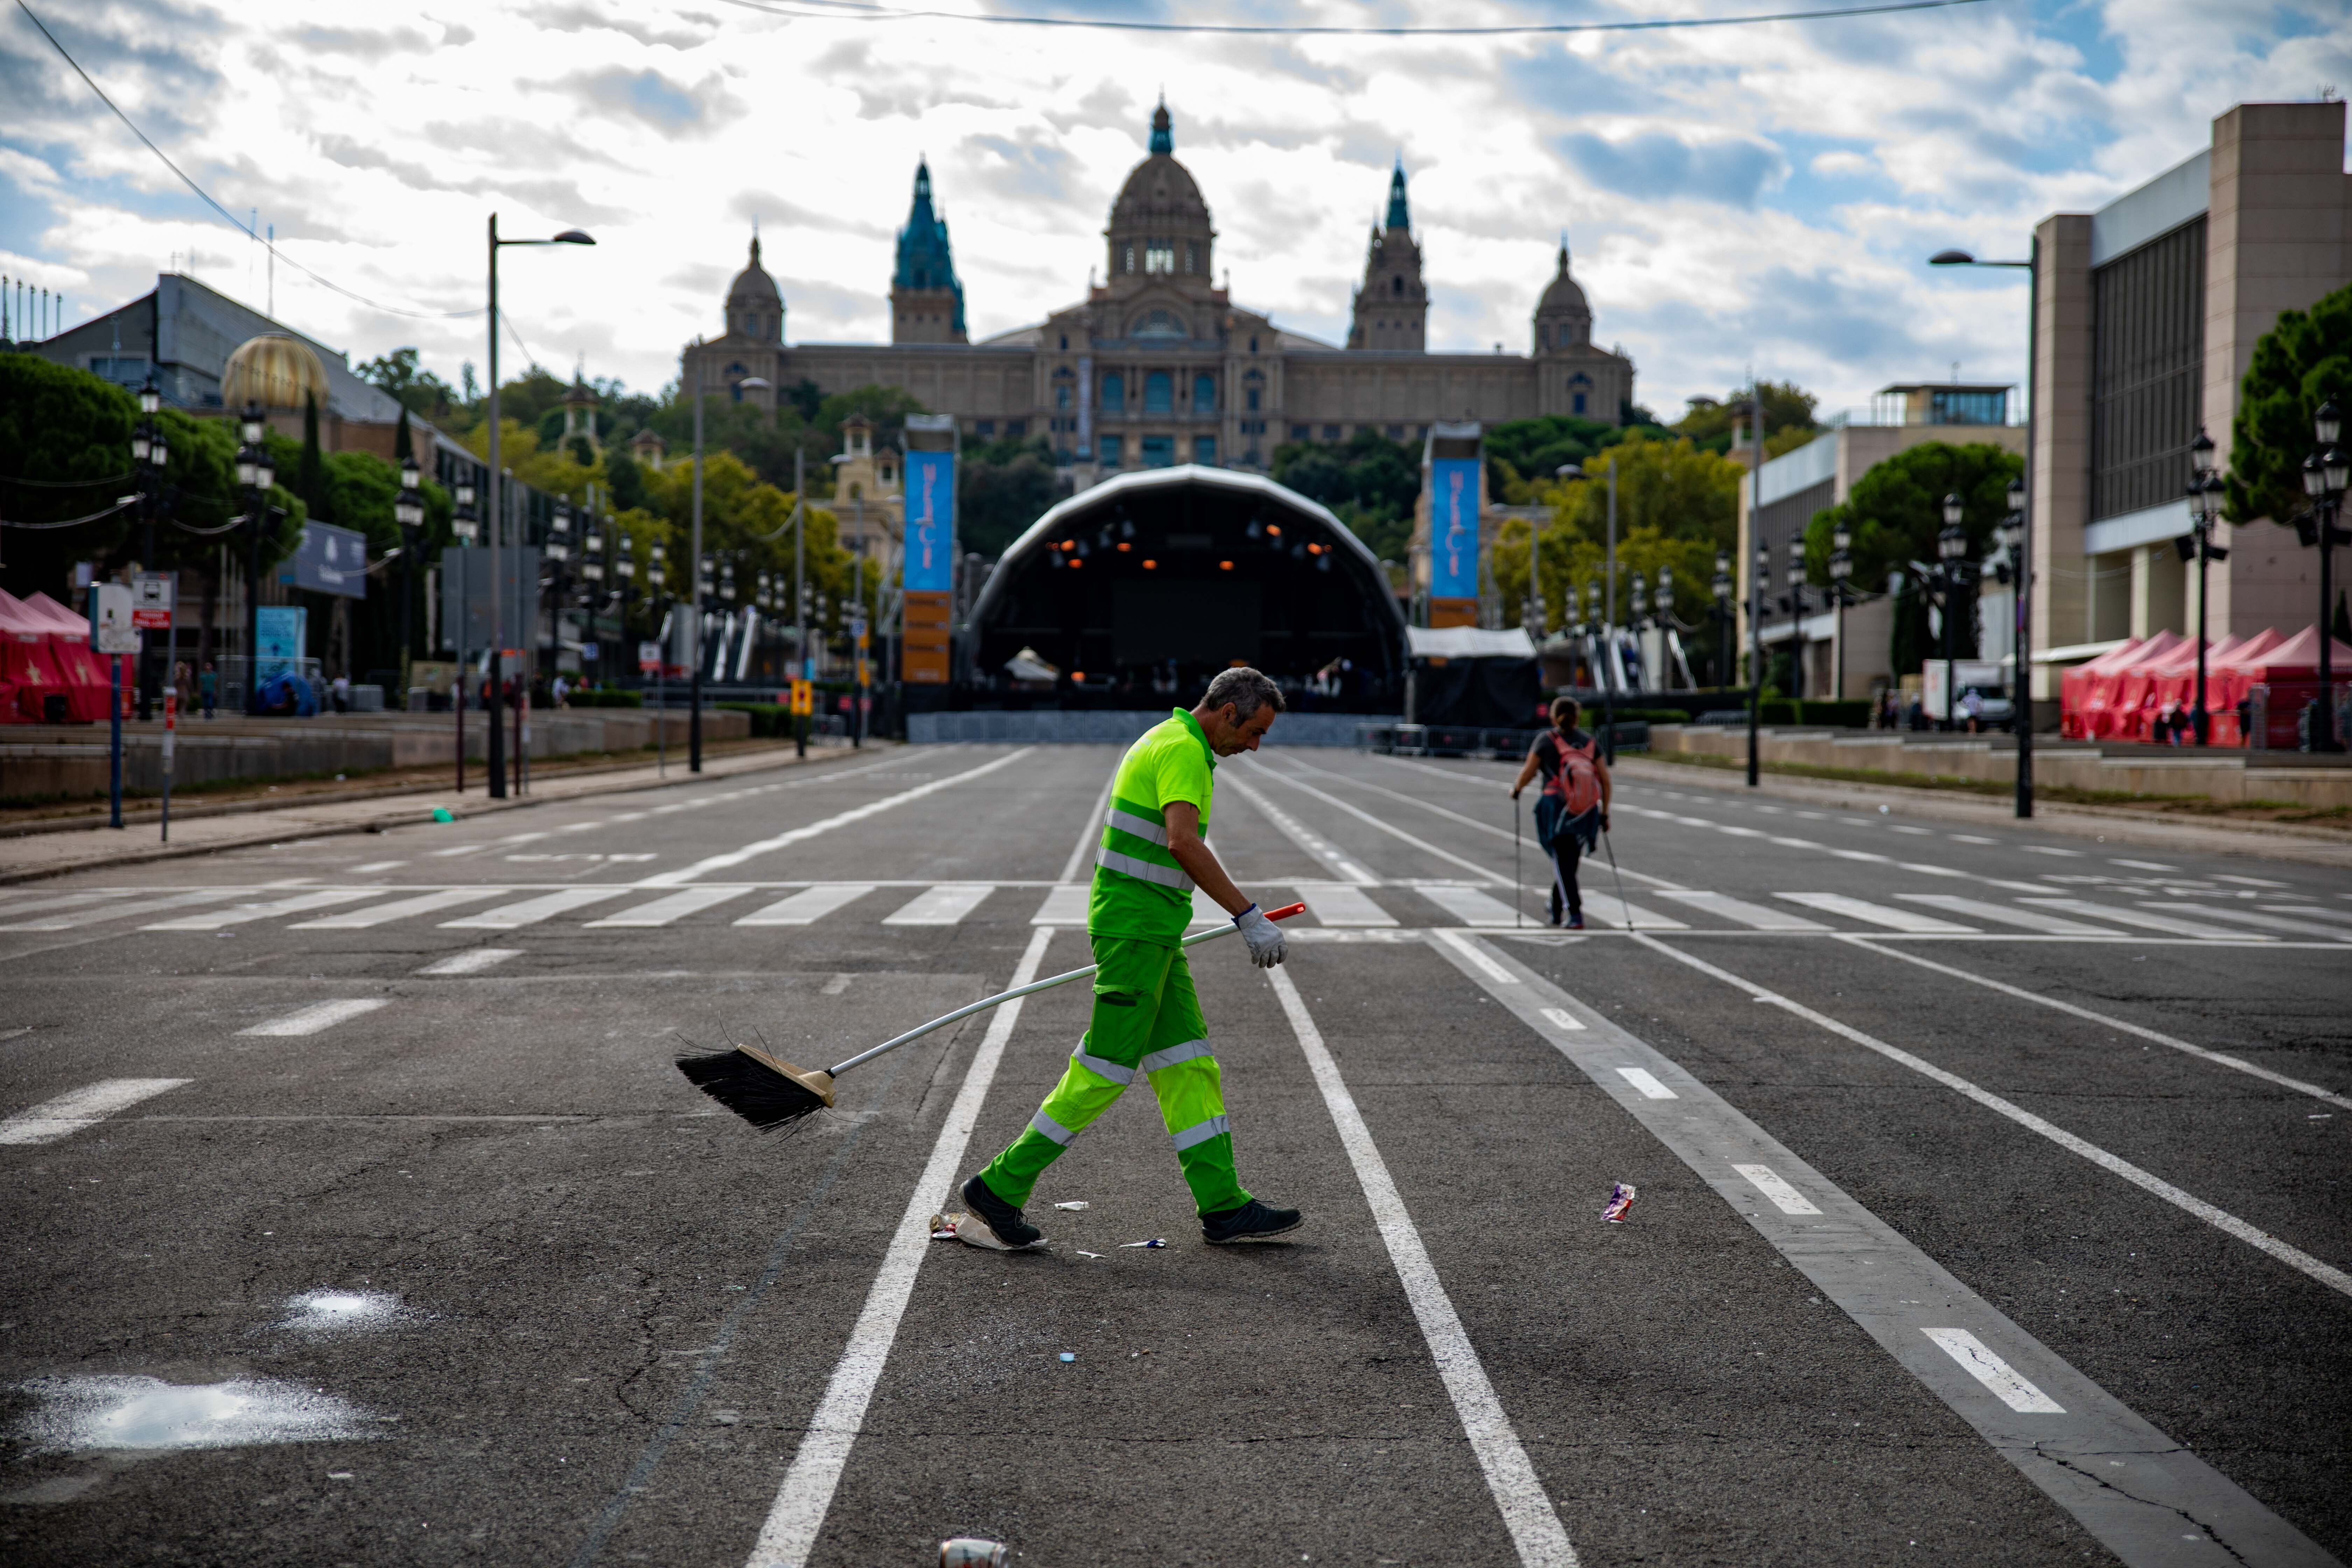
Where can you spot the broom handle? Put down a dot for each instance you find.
(998, 1000)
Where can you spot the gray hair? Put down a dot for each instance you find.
(1248, 689)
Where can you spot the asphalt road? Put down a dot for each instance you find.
(1991, 1193)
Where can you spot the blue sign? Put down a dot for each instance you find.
(930, 521)
(283, 632)
(329, 561)
(1454, 528)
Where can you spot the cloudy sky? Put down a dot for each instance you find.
(1734, 195)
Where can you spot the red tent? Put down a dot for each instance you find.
(2285, 677)
(2174, 679)
(28, 672)
(2117, 687)
(87, 679)
(2075, 690)
(2226, 684)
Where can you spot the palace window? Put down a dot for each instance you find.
(984, 428)
(1330, 432)
(1127, 258)
(1302, 432)
(1252, 395)
(1016, 428)
(1579, 401)
(1205, 450)
(1106, 451)
(1160, 451)
(1114, 393)
(1204, 394)
(1158, 256)
(1066, 343)
(1061, 397)
(1252, 345)
(1191, 256)
(1396, 287)
(1159, 393)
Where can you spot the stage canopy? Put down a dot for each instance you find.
(1140, 588)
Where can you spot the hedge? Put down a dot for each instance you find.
(770, 720)
(606, 698)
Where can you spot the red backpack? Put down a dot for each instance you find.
(1577, 785)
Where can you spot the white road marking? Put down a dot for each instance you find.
(2250, 881)
(1875, 914)
(1470, 907)
(473, 960)
(316, 1017)
(1518, 1490)
(67, 920)
(1082, 853)
(944, 905)
(809, 905)
(508, 842)
(1561, 1018)
(2143, 865)
(1994, 1372)
(1423, 845)
(24, 906)
(734, 858)
(326, 898)
(1341, 904)
(1970, 838)
(1641, 1079)
(531, 911)
(1922, 832)
(1474, 954)
(2001, 914)
(2311, 910)
(663, 911)
(69, 1114)
(1785, 1198)
(1063, 906)
(1632, 917)
(2294, 1258)
(797, 1515)
(2145, 921)
(2264, 922)
(1757, 916)
(2051, 849)
(1331, 858)
(2219, 1059)
(400, 909)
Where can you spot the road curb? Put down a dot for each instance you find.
(410, 817)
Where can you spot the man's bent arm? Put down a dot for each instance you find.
(1182, 819)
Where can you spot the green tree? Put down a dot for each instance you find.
(1896, 510)
(1787, 408)
(1002, 486)
(2301, 362)
(1369, 481)
(418, 391)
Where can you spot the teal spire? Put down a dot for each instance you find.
(1399, 217)
(926, 258)
(1163, 134)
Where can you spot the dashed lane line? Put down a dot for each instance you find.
(2135, 1489)
(1518, 1491)
(96, 914)
(69, 1114)
(1089, 836)
(400, 909)
(1423, 845)
(1326, 854)
(2219, 1058)
(2248, 917)
(797, 1515)
(2294, 1258)
(670, 908)
(734, 858)
(809, 905)
(240, 914)
(473, 960)
(316, 1017)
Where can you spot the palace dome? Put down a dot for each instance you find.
(1564, 296)
(275, 371)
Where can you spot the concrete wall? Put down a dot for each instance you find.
(40, 762)
(2137, 770)
(1047, 726)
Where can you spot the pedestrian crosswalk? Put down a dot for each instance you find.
(915, 907)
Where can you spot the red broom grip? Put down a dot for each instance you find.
(1285, 913)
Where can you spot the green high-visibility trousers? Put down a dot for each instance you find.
(1147, 1019)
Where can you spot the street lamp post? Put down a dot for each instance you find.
(256, 473)
(2204, 508)
(148, 452)
(657, 579)
(1723, 618)
(1951, 545)
(1756, 655)
(1841, 580)
(498, 515)
(2022, 550)
(2325, 475)
(408, 513)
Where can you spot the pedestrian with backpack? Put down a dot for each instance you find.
(1572, 812)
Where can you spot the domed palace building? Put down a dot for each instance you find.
(1158, 365)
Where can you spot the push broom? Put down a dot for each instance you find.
(771, 1093)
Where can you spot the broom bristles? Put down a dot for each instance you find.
(755, 1089)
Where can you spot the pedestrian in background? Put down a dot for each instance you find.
(1572, 812)
(208, 686)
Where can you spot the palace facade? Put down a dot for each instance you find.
(1158, 365)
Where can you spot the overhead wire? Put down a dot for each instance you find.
(226, 215)
(863, 10)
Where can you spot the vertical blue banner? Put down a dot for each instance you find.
(1454, 528)
(930, 521)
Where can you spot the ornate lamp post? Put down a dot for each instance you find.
(558, 580)
(593, 597)
(1951, 547)
(2204, 509)
(462, 527)
(408, 512)
(1840, 593)
(257, 474)
(1757, 591)
(2325, 475)
(148, 452)
(1723, 617)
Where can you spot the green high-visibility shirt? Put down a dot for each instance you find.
(1140, 890)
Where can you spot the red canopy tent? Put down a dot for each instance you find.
(87, 679)
(28, 672)
(2133, 703)
(2174, 679)
(2075, 690)
(2111, 694)
(2283, 678)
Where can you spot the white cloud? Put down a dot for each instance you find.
(1755, 197)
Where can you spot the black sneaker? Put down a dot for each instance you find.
(1251, 1222)
(1000, 1227)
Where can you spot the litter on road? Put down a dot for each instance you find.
(1621, 1203)
(1079, 1203)
(1155, 1241)
(1070, 1356)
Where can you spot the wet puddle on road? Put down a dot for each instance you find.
(77, 1414)
(340, 1312)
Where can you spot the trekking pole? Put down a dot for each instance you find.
(1606, 843)
(1518, 896)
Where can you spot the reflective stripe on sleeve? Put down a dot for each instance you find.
(1142, 870)
(1047, 1127)
(1101, 1069)
(1128, 822)
(1201, 1133)
(1173, 1055)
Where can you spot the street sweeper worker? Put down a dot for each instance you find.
(1572, 812)
(1146, 1018)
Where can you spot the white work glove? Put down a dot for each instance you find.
(1267, 945)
